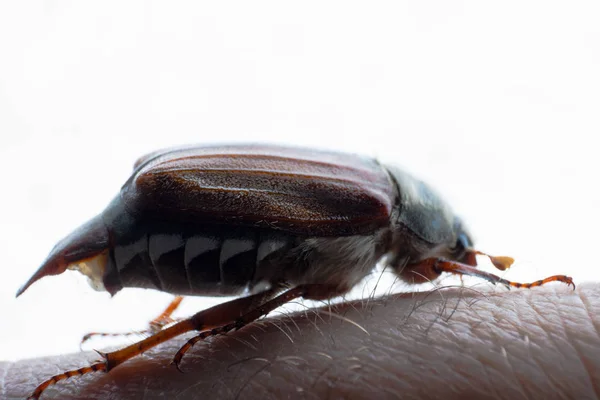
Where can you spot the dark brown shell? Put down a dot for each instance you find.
(303, 191)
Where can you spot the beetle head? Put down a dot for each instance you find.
(84, 250)
(464, 252)
(461, 249)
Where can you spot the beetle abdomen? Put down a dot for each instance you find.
(210, 260)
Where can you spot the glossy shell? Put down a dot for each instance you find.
(296, 190)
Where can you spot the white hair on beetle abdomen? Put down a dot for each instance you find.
(340, 262)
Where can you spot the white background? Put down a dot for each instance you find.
(496, 104)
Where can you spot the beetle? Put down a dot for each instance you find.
(265, 223)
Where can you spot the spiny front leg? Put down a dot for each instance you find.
(153, 326)
(433, 267)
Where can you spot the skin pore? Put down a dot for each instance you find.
(455, 343)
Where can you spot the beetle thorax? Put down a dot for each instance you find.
(337, 262)
(422, 210)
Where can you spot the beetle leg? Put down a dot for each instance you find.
(433, 267)
(310, 291)
(213, 321)
(165, 317)
(214, 317)
(154, 326)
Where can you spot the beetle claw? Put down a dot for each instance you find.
(176, 364)
(85, 338)
(569, 282)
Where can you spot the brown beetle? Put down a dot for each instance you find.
(276, 223)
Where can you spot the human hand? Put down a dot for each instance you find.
(453, 343)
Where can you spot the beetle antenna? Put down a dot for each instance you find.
(500, 262)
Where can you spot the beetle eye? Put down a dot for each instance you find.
(459, 249)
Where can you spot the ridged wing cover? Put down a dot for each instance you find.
(302, 191)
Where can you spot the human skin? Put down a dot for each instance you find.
(451, 343)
